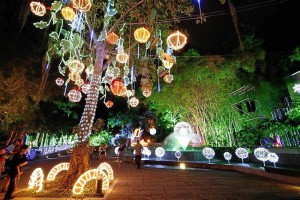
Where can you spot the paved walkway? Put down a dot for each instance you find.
(158, 183)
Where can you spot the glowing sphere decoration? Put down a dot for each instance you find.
(59, 81)
(167, 64)
(227, 156)
(75, 66)
(109, 104)
(182, 128)
(261, 154)
(152, 131)
(122, 57)
(176, 40)
(168, 78)
(178, 155)
(159, 152)
(68, 13)
(208, 153)
(242, 153)
(38, 8)
(112, 38)
(272, 157)
(133, 102)
(117, 87)
(141, 35)
(85, 88)
(74, 95)
(147, 92)
(82, 5)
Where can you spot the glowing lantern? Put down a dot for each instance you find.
(167, 64)
(79, 82)
(261, 154)
(112, 38)
(38, 8)
(159, 152)
(118, 87)
(141, 35)
(109, 104)
(168, 78)
(85, 88)
(74, 95)
(59, 81)
(134, 102)
(75, 66)
(152, 131)
(74, 76)
(56, 169)
(122, 57)
(82, 5)
(68, 13)
(176, 40)
(147, 92)
(36, 179)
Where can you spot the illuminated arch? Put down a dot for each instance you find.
(56, 169)
(90, 175)
(36, 180)
(105, 166)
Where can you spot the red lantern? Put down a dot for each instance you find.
(118, 87)
(109, 104)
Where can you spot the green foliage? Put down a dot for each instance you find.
(98, 138)
(295, 57)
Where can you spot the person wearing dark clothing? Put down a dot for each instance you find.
(121, 154)
(138, 154)
(17, 161)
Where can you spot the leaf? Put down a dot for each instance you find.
(41, 24)
(66, 45)
(54, 18)
(77, 40)
(54, 35)
(56, 6)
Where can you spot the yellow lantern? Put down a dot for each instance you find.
(112, 38)
(38, 8)
(141, 35)
(79, 82)
(82, 5)
(75, 66)
(74, 76)
(176, 40)
(167, 64)
(68, 13)
(122, 57)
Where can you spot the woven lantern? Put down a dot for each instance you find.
(74, 76)
(68, 13)
(141, 35)
(134, 102)
(109, 104)
(82, 5)
(74, 95)
(118, 87)
(176, 40)
(38, 8)
(167, 64)
(122, 57)
(75, 66)
(112, 38)
(59, 81)
(168, 78)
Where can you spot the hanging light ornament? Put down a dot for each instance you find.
(109, 104)
(176, 40)
(82, 5)
(79, 82)
(68, 13)
(59, 81)
(152, 131)
(74, 76)
(118, 87)
(85, 88)
(133, 102)
(112, 38)
(141, 35)
(122, 57)
(74, 95)
(147, 92)
(75, 66)
(167, 64)
(168, 78)
(38, 8)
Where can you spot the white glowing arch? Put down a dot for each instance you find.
(36, 179)
(105, 166)
(56, 169)
(90, 175)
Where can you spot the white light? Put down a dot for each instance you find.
(152, 131)
(117, 150)
(178, 155)
(208, 153)
(36, 180)
(182, 166)
(227, 156)
(182, 128)
(159, 152)
(272, 157)
(297, 88)
(242, 153)
(261, 154)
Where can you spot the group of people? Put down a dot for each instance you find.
(13, 158)
(138, 153)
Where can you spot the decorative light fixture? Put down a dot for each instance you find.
(56, 169)
(107, 168)
(117, 87)
(178, 155)
(117, 150)
(82, 5)
(38, 8)
(109, 104)
(36, 180)
(141, 35)
(152, 131)
(176, 40)
(261, 154)
(59, 81)
(122, 57)
(208, 153)
(168, 78)
(75, 66)
(112, 38)
(74, 95)
(68, 13)
(79, 82)
(147, 92)
(85, 88)
(272, 157)
(296, 88)
(182, 128)
(134, 102)
(227, 156)
(74, 76)
(167, 64)
(159, 152)
(242, 153)
(182, 166)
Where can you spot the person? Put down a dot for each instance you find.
(2, 160)
(18, 160)
(102, 151)
(138, 154)
(121, 154)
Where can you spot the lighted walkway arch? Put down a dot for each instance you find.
(36, 180)
(56, 169)
(105, 166)
(90, 175)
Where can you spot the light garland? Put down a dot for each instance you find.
(242, 153)
(92, 174)
(107, 168)
(176, 40)
(208, 153)
(141, 35)
(36, 180)
(38, 8)
(56, 169)
(261, 154)
(159, 152)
